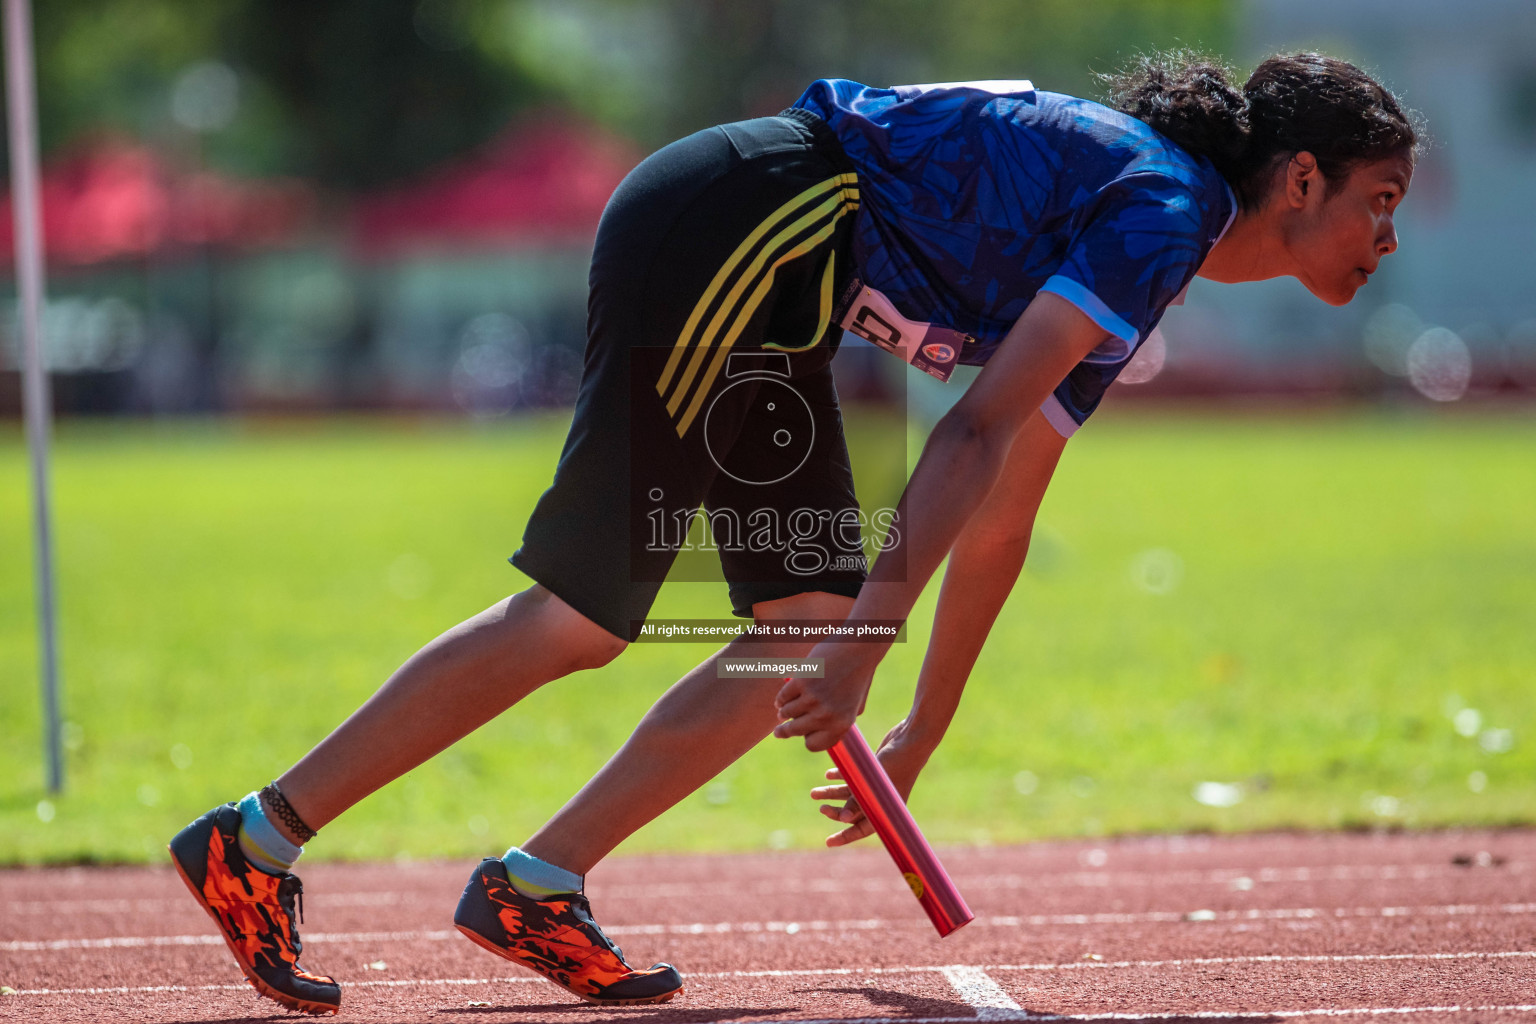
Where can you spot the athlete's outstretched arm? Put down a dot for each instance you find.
(984, 565)
(958, 469)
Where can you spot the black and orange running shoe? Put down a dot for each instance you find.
(254, 912)
(557, 938)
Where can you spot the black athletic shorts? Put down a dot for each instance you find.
(707, 382)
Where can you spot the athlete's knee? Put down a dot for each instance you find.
(584, 643)
(599, 651)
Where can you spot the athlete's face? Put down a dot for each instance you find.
(1340, 233)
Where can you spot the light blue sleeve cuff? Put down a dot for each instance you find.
(1093, 307)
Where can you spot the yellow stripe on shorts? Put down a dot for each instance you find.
(733, 267)
(747, 311)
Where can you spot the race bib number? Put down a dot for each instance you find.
(933, 349)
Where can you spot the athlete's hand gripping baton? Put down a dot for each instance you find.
(888, 813)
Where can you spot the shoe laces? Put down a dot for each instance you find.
(583, 911)
(289, 890)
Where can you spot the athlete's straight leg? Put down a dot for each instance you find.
(452, 686)
(698, 728)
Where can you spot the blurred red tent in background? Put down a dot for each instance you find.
(544, 182)
(113, 199)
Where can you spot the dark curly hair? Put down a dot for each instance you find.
(1294, 102)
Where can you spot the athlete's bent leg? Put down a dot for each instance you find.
(457, 682)
(452, 686)
(697, 729)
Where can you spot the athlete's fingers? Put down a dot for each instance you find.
(798, 725)
(839, 813)
(791, 689)
(831, 793)
(825, 735)
(834, 772)
(857, 830)
(848, 812)
(801, 705)
(802, 715)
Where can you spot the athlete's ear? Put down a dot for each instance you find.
(1302, 179)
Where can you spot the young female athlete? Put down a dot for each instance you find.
(1035, 234)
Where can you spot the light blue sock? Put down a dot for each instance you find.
(536, 878)
(263, 845)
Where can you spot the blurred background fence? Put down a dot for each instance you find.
(389, 204)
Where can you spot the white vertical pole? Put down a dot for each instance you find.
(21, 97)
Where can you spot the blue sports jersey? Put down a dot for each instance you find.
(976, 196)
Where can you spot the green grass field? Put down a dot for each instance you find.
(1330, 614)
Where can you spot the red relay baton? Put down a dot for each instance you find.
(903, 840)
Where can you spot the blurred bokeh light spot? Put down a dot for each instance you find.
(1026, 782)
(1148, 361)
(493, 360)
(1477, 781)
(181, 756)
(1440, 365)
(1157, 571)
(1384, 806)
(1467, 722)
(206, 96)
(1496, 741)
(1218, 794)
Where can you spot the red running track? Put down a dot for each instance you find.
(1438, 927)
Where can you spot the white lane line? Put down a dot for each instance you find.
(128, 990)
(976, 987)
(153, 906)
(796, 927)
(1207, 961)
(838, 971)
(1362, 1011)
(149, 941)
(1256, 914)
(791, 885)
